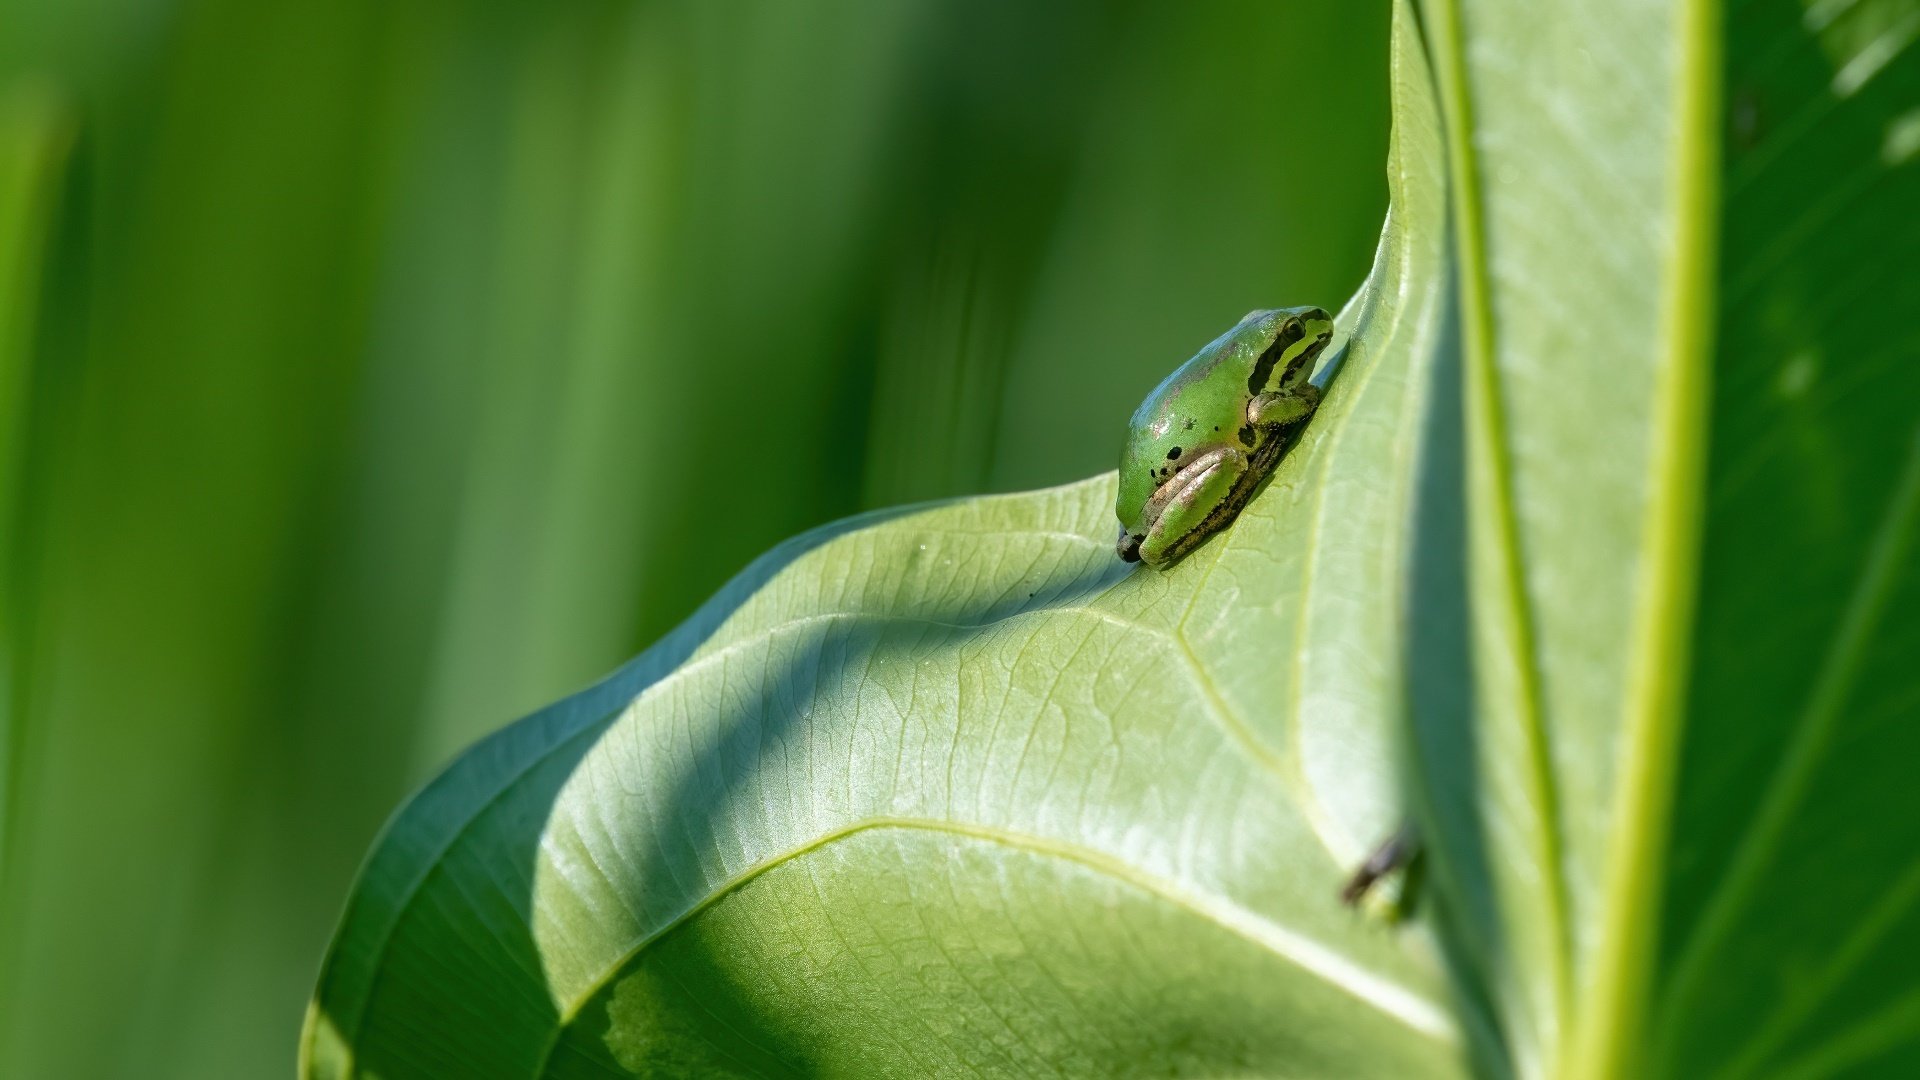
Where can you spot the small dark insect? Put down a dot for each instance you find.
(1397, 852)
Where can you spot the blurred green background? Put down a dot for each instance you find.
(372, 372)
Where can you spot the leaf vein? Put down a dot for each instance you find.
(1382, 994)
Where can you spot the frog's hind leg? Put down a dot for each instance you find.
(1192, 506)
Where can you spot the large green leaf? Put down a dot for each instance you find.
(1615, 499)
(1665, 808)
(954, 789)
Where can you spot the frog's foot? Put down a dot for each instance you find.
(1284, 407)
(1190, 507)
(1398, 850)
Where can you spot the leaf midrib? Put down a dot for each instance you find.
(1490, 460)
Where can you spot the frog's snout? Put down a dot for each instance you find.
(1128, 547)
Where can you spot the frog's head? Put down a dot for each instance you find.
(1202, 408)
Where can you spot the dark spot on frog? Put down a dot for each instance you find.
(1188, 426)
(1173, 454)
(1246, 434)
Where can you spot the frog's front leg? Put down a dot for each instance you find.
(1180, 509)
(1284, 407)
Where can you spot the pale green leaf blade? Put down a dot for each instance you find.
(1674, 839)
(1565, 124)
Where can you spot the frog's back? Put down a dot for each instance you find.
(1202, 404)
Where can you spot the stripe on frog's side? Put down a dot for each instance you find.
(1308, 349)
(1284, 342)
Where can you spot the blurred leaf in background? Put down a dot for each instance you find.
(372, 373)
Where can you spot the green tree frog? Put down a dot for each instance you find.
(1199, 445)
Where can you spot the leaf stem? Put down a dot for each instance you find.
(1610, 1033)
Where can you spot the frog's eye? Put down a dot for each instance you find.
(1282, 346)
